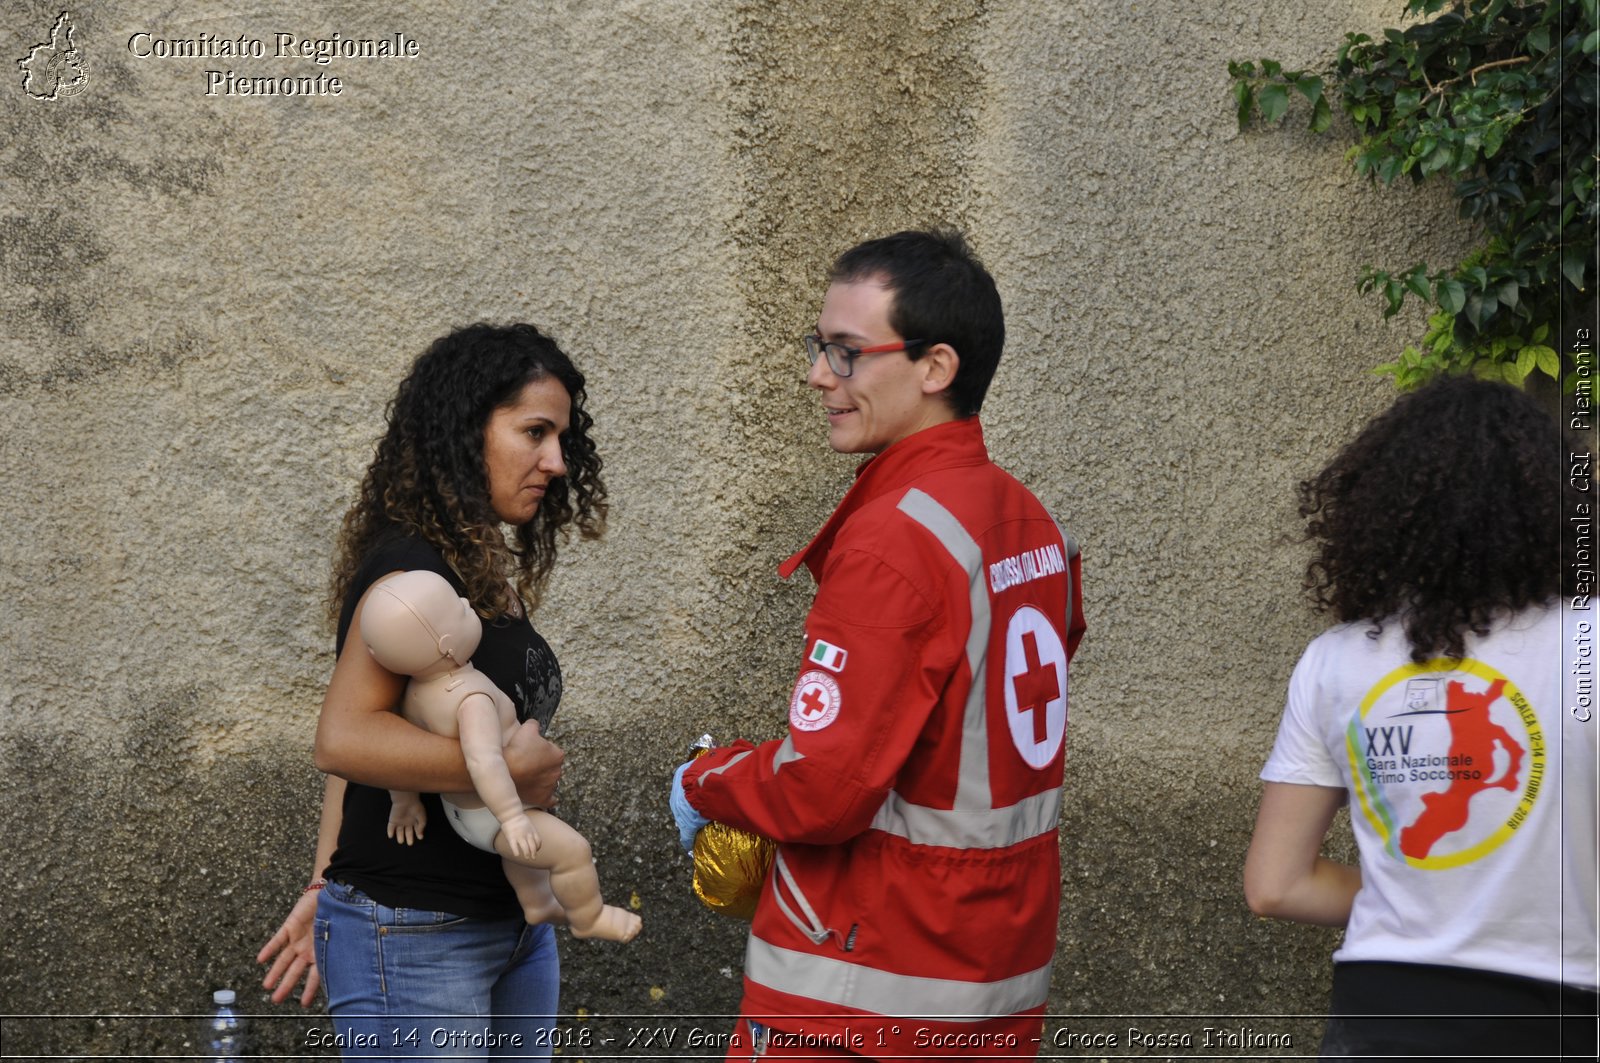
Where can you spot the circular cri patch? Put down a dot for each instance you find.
(815, 703)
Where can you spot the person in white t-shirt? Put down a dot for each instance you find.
(1436, 709)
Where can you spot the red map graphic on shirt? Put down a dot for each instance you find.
(1474, 735)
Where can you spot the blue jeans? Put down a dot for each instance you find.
(407, 984)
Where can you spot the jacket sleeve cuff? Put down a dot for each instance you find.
(713, 763)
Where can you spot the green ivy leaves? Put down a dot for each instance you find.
(1508, 358)
(1499, 97)
(1268, 92)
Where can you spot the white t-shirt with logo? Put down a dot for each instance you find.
(1472, 789)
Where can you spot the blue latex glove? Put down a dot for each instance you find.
(683, 814)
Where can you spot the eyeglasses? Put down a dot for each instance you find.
(842, 359)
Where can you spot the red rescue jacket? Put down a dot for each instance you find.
(912, 905)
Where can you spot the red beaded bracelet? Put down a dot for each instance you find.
(317, 885)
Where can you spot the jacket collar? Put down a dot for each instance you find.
(953, 443)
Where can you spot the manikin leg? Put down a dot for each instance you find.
(565, 855)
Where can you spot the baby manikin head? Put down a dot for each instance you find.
(415, 622)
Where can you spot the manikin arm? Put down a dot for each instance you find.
(361, 737)
(290, 950)
(481, 730)
(1285, 874)
(407, 817)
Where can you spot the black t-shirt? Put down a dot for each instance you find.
(441, 872)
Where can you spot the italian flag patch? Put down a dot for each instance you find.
(828, 656)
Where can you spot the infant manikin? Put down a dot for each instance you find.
(415, 624)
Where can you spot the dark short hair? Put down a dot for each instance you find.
(428, 474)
(942, 294)
(1442, 513)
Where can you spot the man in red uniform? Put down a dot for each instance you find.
(911, 908)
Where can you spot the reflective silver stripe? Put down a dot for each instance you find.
(972, 783)
(1066, 539)
(983, 829)
(1072, 551)
(882, 993)
(719, 769)
(785, 754)
(810, 926)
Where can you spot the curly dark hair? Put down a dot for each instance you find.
(1444, 511)
(428, 471)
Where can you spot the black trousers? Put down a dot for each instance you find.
(1402, 1010)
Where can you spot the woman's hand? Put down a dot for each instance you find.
(535, 765)
(292, 954)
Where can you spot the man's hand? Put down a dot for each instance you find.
(521, 839)
(683, 813)
(535, 765)
(294, 953)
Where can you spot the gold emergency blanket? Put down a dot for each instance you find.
(730, 865)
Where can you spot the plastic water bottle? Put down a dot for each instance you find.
(225, 1030)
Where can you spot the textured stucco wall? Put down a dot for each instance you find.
(207, 300)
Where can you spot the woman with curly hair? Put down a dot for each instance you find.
(486, 462)
(1435, 707)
